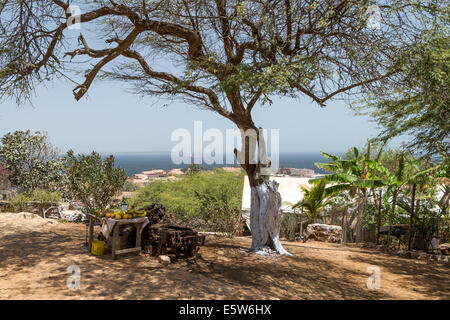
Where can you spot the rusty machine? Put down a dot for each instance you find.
(161, 236)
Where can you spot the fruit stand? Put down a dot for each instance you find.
(149, 229)
(111, 221)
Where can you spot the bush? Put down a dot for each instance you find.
(39, 198)
(130, 186)
(209, 201)
(94, 181)
(289, 226)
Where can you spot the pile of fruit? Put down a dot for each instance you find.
(118, 214)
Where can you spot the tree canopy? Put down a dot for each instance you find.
(229, 54)
(418, 104)
(94, 181)
(32, 161)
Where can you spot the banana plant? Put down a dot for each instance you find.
(393, 183)
(351, 175)
(409, 173)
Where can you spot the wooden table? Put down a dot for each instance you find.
(138, 222)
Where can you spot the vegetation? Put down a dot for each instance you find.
(400, 179)
(39, 198)
(418, 104)
(231, 56)
(315, 199)
(32, 161)
(290, 226)
(94, 181)
(130, 186)
(204, 200)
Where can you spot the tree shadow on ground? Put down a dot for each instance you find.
(291, 278)
(34, 265)
(430, 279)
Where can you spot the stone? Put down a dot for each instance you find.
(27, 215)
(323, 232)
(402, 253)
(445, 248)
(72, 215)
(422, 256)
(165, 260)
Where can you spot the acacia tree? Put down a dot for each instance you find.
(226, 55)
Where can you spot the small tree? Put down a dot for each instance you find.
(94, 181)
(32, 161)
(315, 199)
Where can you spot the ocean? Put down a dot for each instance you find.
(137, 162)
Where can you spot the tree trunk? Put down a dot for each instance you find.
(344, 226)
(265, 217)
(391, 216)
(379, 217)
(411, 218)
(360, 216)
(358, 224)
(265, 213)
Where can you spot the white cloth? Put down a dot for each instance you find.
(108, 224)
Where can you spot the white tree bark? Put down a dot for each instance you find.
(265, 217)
(265, 213)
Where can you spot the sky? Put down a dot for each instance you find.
(111, 119)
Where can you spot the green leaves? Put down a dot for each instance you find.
(94, 181)
(32, 160)
(315, 198)
(206, 200)
(417, 104)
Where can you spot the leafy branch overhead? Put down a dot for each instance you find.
(226, 55)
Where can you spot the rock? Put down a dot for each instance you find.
(422, 256)
(445, 248)
(27, 215)
(435, 257)
(165, 260)
(402, 253)
(72, 215)
(224, 259)
(323, 232)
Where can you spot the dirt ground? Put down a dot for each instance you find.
(35, 255)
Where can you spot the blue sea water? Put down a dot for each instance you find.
(137, 162)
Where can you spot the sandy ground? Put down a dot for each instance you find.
(35, 255)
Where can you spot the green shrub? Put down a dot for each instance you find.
(19, 203)
(94, 181)
(289, 226)
(130, 186)
(39, 198)
(203, 200)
